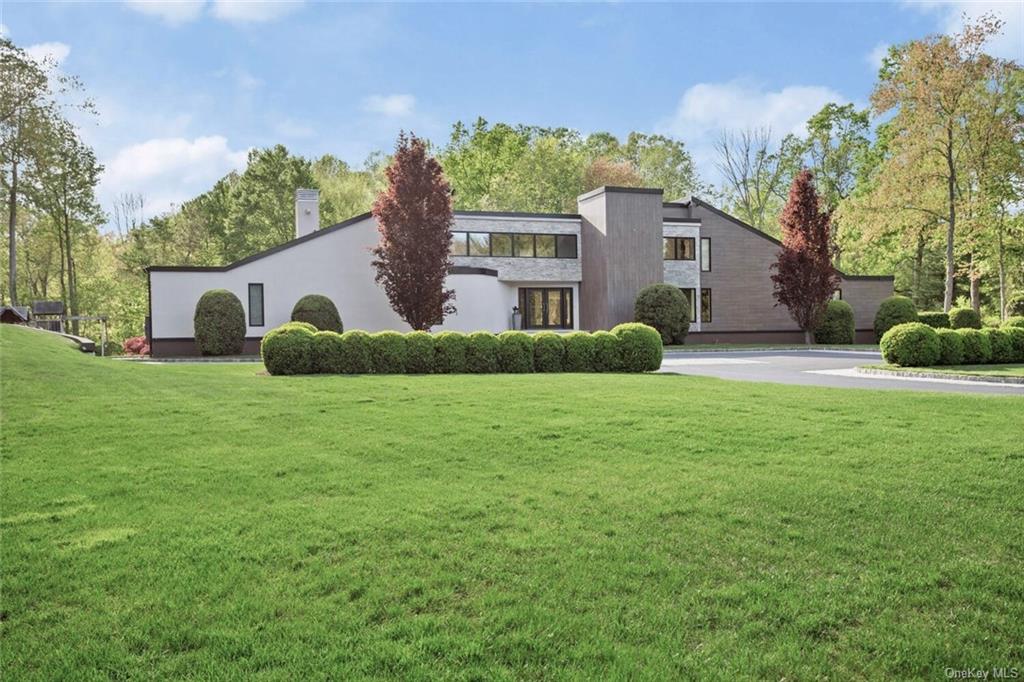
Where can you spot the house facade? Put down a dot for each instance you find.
(519, 270)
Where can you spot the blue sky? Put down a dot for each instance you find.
(184, 89)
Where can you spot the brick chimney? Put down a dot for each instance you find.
(307, 211)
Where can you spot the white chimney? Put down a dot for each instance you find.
(307, 211)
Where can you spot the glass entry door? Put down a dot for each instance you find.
(546, 308)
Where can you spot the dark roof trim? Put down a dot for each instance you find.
(262, 254)
(514, 214)
(676, 204)
(695, 221)
(621, 190)
(467, 270)
(773, 240)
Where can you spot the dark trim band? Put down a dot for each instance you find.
(467, 270)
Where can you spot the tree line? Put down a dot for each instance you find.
(927, 182)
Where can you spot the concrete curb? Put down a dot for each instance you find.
(949, 376)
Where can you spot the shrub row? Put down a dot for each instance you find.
(298, 348)
(914, 344)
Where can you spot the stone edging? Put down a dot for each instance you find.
(990, 378)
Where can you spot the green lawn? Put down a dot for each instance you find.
(1016, 370)
(206, 521)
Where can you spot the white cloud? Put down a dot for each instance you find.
(951, 15)
(55, 52)
(173, 12)
(877, 54)
(170, 169)
(390, 105)
(245, 11)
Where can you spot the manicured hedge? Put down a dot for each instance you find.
(911, 344)
(319, 311)
(836, 325)
(893, 311)
(951, 347)
(219, 323)
(964, 318)
(298, 348)
(977, 347)
(936, 320)
(1001, 344)
(1016, 335)
(665, 308)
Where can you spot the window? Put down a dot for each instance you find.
(679, 248)
(524, 245)
(546, 308)
(479, 244)
(501, 244)
(691, 300)
(837, 295)
(255, 305)
(705, 254)
(705, 305)
(545, 245)
(459, 246)
(565, 246)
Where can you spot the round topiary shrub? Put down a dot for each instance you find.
(319, 311)
(450, 349)
(934, 319)
(549, 352)
(219, 323)
(964, 318)
(1016, 335)
(419, 353)
(977, 348)
(1001, 345)
(328, 353)
(640, 348)
(301, 325)
(836, 324)
(387, 352)
(911, 344)
(1015, 321)
(665, 308)
(607, 352)
(287, 350)
(515, 352)
(579, 352)
(951, 347)
(1015, 306)
(893, 311)
(482, 353)
(356, 356)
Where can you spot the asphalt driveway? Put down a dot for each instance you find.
(813, 368)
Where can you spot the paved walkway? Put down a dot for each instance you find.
(814, 368)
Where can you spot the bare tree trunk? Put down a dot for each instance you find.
(947, 301)
(807, 337)
(918, 268)
(12, 221)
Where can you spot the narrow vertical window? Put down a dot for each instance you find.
(705, 305)
(691, 300)
(256, 305)
(705, 254)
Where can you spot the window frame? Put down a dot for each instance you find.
(263, 316)
(565, 301)
(705, 241)
(705, 307)
(554, 246)
(463, 240)
(511, 244)
(677, 250)
(465, 243)
(469, 244)
(691, 300)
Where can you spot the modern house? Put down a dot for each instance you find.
(532, 270)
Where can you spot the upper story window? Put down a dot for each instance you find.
(705, 254)
(516, 245)
(679, 248)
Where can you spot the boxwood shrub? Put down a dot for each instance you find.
(288, 350)
(951, 347)
(964, 318)
(977, 347)
(328, 353)
(219, 323)
(640, 347)
(548, 352)
(515, 352)
(420, 354)
(450, 348)
(893, 311)
(607, 352)
(1016, 335)
(911, 344)
(665, 308)
(934, 319)
(387, 352)
(482, 353)
(836, 324)
(1015, 321)
(319, 311)
(355, 353)
(301, 325)
(1001, 345)
(579, 352)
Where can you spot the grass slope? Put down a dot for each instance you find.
(205, 521)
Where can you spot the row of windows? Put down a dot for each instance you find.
(705, 304)
(682, 248)
(514, 245)
(546, 308)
